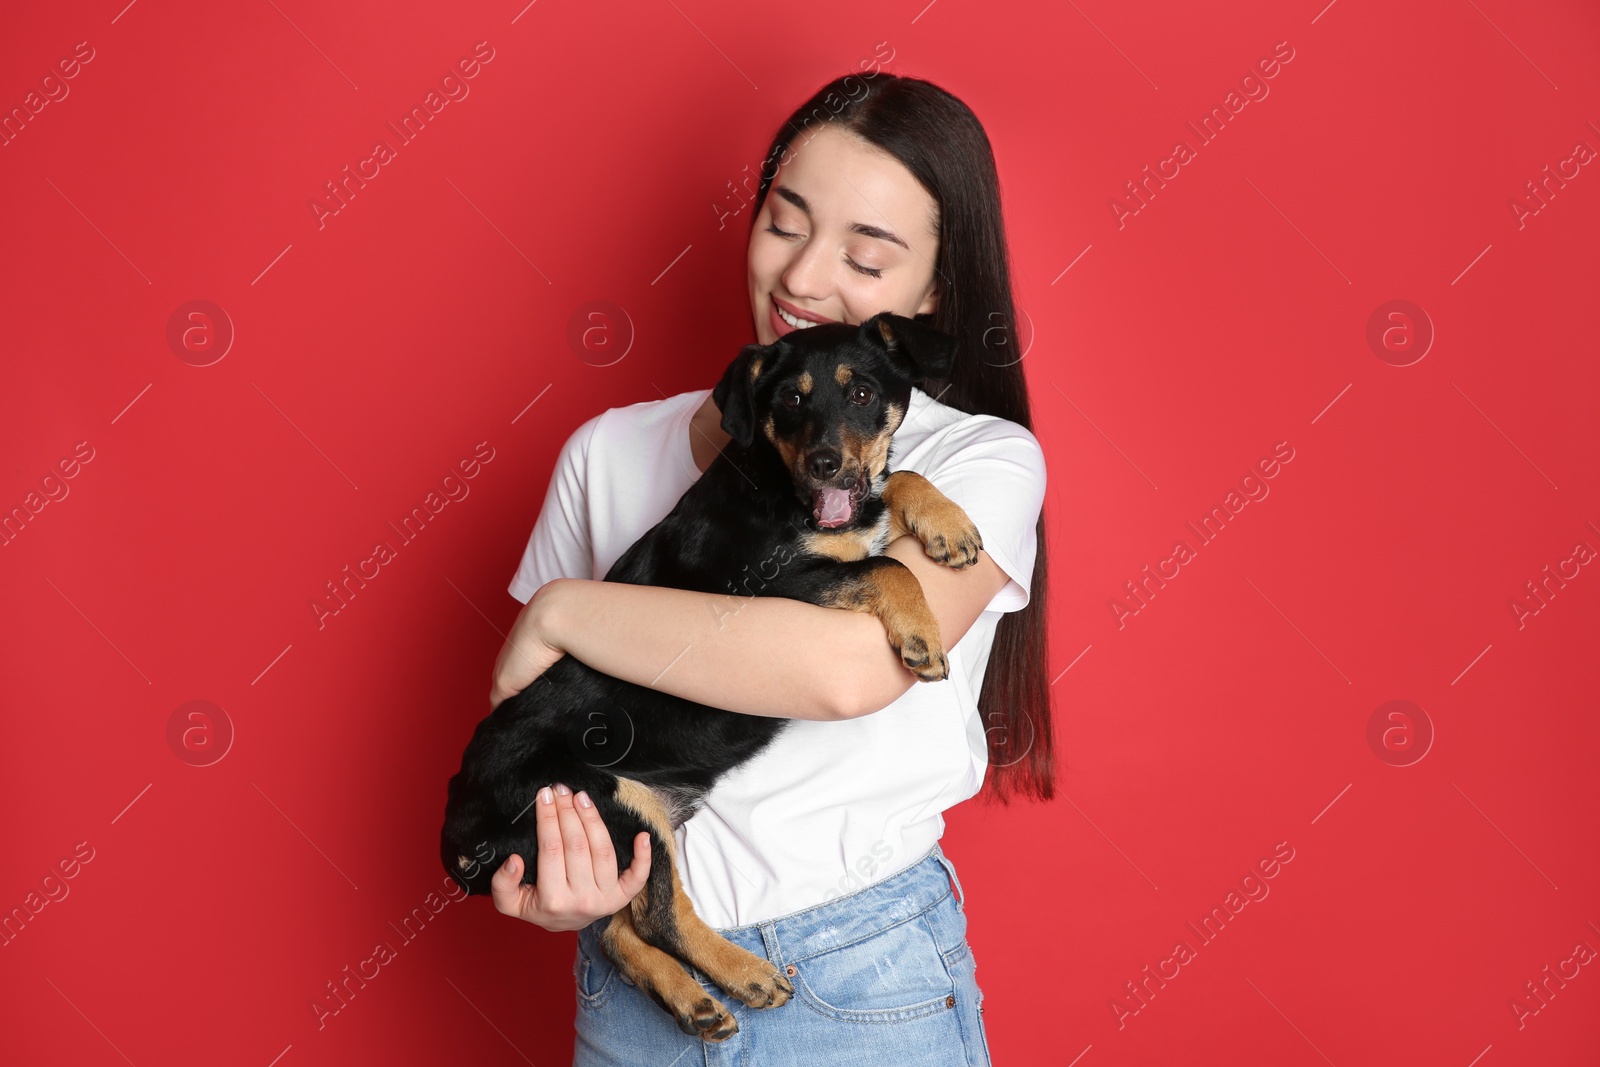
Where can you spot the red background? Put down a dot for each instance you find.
(374, 352)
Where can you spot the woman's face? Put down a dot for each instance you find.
(859, 236)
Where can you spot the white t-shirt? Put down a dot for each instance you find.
(828, 807)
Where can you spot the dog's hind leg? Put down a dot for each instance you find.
(663, 916)
(664, 979)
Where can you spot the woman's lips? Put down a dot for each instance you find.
(778, 325)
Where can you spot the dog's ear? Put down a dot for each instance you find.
(930, 353)
(734, 395)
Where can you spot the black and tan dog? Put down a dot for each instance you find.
(799, 504)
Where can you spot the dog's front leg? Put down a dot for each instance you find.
(916, 507)
(885, 587)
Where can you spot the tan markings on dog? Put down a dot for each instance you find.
(841, 374)
(743, 974)
(785, 447)
(917, 508)
(877, 455)
(873, 451)
(887, 334)
(845, 546)
(755, 368)
(663, 979)
(856, 447)
(893, 594)
(804, 384)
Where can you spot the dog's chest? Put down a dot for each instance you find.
(848, 545)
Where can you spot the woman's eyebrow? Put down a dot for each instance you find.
(855, 227)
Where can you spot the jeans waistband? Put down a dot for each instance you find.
(844, 920)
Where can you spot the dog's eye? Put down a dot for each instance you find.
(861, 394)
(790, 398)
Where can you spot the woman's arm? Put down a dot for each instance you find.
(756, 655)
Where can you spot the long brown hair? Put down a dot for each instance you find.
(940, 141)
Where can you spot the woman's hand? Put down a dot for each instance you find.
(529, 650)
(577, 868)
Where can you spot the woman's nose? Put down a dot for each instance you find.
(808, 272)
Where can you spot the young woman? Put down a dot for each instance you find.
(822, 853)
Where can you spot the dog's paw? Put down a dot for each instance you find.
(741, 973)
(951, 539)
(924, 658)
(773, 991)
(707, 1019)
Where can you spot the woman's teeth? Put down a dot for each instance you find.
(799, 324)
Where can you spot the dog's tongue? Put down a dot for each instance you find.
(832, 506)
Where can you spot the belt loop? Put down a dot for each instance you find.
(950, 869)
(769, 940)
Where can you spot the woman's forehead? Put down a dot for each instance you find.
(843, 179)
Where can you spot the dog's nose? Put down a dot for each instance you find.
(824, 464)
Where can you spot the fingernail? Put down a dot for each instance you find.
(545, 797)
(562, 790)
(583, 799)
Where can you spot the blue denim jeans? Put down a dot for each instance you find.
(882, 976)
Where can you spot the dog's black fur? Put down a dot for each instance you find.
(742, 529)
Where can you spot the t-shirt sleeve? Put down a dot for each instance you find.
(995, 470)
(559, 546)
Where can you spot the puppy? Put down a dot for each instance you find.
(799, 504)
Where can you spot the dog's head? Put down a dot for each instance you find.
(477, 836)
(480, 829)
(827, 399)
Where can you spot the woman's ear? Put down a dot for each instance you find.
(735, 397)
(929, 352)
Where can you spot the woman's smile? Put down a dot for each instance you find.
(786, 318)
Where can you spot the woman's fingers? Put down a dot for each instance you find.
(575, 841)
(576, 864)
(552, 868)
(510, 895)
(602, 854)
(633, 879)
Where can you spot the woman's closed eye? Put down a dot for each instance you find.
(873, 272)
